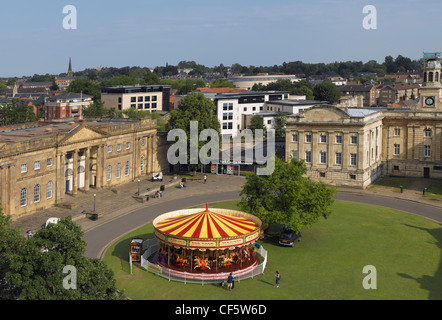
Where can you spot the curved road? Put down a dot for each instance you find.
(101, 236)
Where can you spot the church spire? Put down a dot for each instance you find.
(70, 69)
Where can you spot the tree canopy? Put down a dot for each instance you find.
(33, 269)
(286, 196)
(327, 91)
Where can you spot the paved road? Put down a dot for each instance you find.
(102, 235)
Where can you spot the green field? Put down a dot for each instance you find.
(326, 264)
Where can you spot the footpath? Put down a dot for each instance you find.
(121, 200)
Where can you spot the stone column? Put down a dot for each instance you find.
(99, 169)
(345, 150)
(75, 173)
(87, 169)
(59, 177)
(3, 188)
(149, 154)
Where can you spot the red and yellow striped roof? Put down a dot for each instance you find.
(206, 225)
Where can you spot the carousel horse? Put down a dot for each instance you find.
(181, 261)
(201, 263)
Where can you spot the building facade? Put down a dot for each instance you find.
(41, 164)
(150, 98)
(355, 146)
(66, 105)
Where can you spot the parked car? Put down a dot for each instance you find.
(157, 176)
(288, 237)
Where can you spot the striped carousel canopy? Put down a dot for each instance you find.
(213, 225)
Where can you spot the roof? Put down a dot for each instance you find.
(207, 225)
(361, 112)
(356, 88)
(69, 96)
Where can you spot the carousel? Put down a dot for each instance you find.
(212, 241)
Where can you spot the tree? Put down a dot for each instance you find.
(95, 109)
(195, 107)
(327, 91)
(279, 124)
(86, 86)
(16, 112)
(257, 122)
(286, 196)
(33, 269)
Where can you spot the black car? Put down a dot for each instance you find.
(288, 237)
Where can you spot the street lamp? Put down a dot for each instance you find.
(94, 201)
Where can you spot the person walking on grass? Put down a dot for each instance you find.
(277, 278)
(230, 281)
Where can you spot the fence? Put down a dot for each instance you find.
(151, 246)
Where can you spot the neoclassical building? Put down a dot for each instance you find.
(42, 163)
(355, 146)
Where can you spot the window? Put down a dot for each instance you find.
(126, 169)
(397, 132)
(142, 164)
(127, 145)
(295, 137)
(269, 121)
(427, 132)
(322, 174)
(143, 141)
(353, 177)
(427, 151)
(322, 157)
(338, 158)
(108, 173)
(49, 162)
(224, 125)
(140, 99)
(23, 197)
(353, 159)
(118, 171)
(308, 156)
(438, 168)
(154, 98)
(109, 149)
(140, 106)
(395, 168)
(295, 154)
(24, 168)
(147, 98)
(308, 138)
(323, 138)
(37, 193)
(133, 99)
(354, 139)
(245, 109)
(49, 190)
(397, 149)
(338, 139)
(119, 147)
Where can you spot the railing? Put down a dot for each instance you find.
(151, 246)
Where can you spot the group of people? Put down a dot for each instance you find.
(231, 280)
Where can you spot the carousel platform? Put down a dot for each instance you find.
(208, 274)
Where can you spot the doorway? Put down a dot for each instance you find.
(427, 173)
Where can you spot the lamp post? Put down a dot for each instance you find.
(138, 186)
(94, 201)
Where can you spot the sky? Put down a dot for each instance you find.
(148, 33)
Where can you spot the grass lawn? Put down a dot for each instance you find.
(326, 264)
(434, 192)
(392, 183)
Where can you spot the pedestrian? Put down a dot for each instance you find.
(233, 280)
(278, 277)
(205, 179)
(229, 281)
